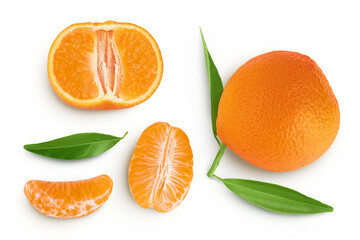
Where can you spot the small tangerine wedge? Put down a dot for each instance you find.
(160, 170)
(69, 199)
(107, 65)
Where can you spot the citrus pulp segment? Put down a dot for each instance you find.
(104, 65)
(160, 170)
(69, 199)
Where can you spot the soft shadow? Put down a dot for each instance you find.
(243, 165)
(238, 162)
(124, 171)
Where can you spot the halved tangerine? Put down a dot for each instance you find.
(107, 65)
(160, 170)
(69, 199)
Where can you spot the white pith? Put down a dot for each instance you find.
(101, 62)
(163, 168)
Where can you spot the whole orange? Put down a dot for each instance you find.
(278, 111)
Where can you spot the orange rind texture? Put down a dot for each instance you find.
(278, 112)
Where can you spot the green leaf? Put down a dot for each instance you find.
(274, 197)
(217, 159)
(215, 85)
(74, 147)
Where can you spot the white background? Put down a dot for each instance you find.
(235, 31)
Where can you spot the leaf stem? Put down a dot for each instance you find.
(219, 178)
(124, 135)
(217, 159)
(218, 141)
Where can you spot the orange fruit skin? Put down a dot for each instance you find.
(69, 199)
(160, 169)
(74, 56)
(278, 112)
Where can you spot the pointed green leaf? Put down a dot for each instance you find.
(274, 197)
(215, 85)
(74, 147)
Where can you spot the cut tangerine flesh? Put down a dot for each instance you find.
(160, 170)
(104, 65)
(69, 199)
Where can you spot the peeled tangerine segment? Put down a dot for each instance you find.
(160, 170)
(69, 199)
(72, 64)
(104, 65)
(138, 62)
